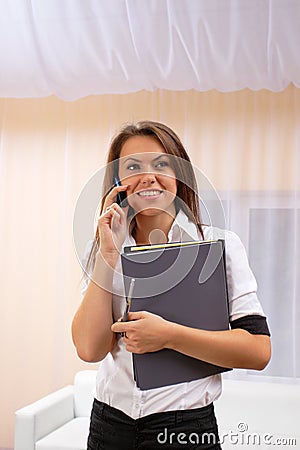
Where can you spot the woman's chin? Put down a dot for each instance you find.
(150, 211)
(156, 210)
(154, 207)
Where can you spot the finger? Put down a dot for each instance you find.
(119, 216)
(111, 207)
(122, 211)
(115, 220)
(111, 196)
(136, 315)
(119, 327)
(111, 210)
(115, 213)
(114, 207)
(106, 217)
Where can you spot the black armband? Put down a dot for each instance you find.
(254, 324)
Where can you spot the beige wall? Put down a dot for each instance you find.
(49, 149)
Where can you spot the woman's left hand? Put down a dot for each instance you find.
(144, 332)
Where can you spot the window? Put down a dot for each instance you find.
(269, 226)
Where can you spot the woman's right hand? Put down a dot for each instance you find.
(112, 225)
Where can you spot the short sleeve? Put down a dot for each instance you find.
(242, 286)
(252, 323)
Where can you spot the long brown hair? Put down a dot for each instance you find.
(186, 181)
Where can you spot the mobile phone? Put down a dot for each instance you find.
(121, 198)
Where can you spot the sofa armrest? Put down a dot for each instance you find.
(42, 417)
(84, 392)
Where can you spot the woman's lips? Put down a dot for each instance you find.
(149, 194)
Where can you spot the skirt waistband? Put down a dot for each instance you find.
(171, 417)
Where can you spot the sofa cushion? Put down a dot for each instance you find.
(71, 436)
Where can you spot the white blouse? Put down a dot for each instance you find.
(115, 383)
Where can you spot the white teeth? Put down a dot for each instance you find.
(148, 193)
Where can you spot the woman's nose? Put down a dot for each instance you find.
(148, 178)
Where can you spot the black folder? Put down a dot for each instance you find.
(183, 283)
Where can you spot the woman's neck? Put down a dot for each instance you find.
(153, 229)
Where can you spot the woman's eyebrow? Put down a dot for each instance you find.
(160, 156)
(131, 159)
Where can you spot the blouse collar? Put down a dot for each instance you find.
(182, 230)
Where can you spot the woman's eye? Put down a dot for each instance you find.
(133, 167)
(162, 164)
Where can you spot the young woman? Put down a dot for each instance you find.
(162, 206)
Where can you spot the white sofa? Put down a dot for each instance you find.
(251, 415)
(59, 421)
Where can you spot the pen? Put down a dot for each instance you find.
(128, 302)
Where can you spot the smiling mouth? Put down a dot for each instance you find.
(149, 193)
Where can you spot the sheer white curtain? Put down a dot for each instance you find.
(246, 143)
(75, 48)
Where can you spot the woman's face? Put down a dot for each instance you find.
(146, 167)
